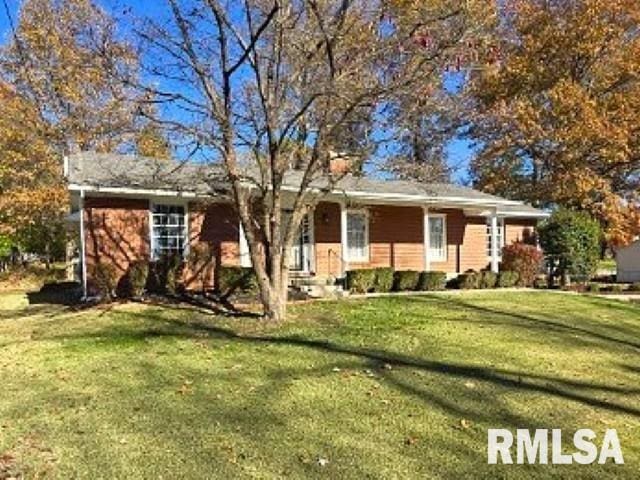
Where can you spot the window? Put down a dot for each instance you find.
(357, 236)
(499, 236)
(437, 237)
(168, 230)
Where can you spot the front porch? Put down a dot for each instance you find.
(336, 237)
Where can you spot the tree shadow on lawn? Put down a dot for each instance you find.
(568, 389)
(523, 321)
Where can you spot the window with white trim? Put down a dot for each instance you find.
(357, 236)
(499, 236)
(437, 237)
(168, 230)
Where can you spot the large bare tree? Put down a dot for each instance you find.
(262, 86)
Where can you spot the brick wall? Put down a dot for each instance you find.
(214, 227)
(396, 239)
(116, 232)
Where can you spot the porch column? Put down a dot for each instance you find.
(83, 248)
(494, 241)
(426, 239)
(312, 240)
(245, 255)
(343, 239)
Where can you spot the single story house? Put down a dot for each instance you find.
(131, 208)
(628, 263)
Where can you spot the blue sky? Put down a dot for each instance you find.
(459, 151)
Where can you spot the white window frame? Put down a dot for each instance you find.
(501, 234)
(167, 203)
(436, 255)
(365, 257)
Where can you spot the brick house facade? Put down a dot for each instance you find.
(450, 233)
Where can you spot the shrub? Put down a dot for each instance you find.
(165, 274)
(405, 280)
(593, 287)
(634, 287)
(571, 240)
(507, 279)
(104, 276)
(469, 280)
(540, 283)
(361, 280)
(137, 278)
(383, 279)
(488, 279)
(617, 288)
(523, 259)
(232, 279)
(432, 281)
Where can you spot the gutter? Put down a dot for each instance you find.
(339, 194)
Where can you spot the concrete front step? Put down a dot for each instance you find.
(324, 291)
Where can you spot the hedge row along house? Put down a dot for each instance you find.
(130, 208)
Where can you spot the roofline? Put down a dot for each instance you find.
(373, 196)
(75, 187)
(515, 214)
(411, 198)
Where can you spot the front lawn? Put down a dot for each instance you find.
(383, 388)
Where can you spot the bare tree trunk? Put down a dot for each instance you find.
(274, 295)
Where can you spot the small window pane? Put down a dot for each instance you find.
(499, 236)
(168, 230)
(437, 238)
(357, 237)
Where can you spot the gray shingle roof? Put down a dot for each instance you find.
(103, 170)
(131, 171)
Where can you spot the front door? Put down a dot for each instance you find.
(301, 248)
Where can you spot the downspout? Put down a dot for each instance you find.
(82, 247)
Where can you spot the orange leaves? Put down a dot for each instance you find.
(560, 120)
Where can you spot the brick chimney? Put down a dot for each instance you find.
(340, 164)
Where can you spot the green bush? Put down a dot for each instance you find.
(634, 287)
(137, 278)
(507, 279)
(488, 279)
(524, 259)
(405, 280)
(104, 277)
(432, 281)
(571, 241)
(237, 279)
(593, 287)
(469, 280)
(383, 279)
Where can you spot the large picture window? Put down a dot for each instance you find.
(357, 236)
(499, 236)
(437, 237)
(168, 230)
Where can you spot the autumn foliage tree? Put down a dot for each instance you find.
(59, 95)
(557, 121)
(32, 195)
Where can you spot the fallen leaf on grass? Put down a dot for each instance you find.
(465, 423)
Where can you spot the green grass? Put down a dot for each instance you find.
(383, 388)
